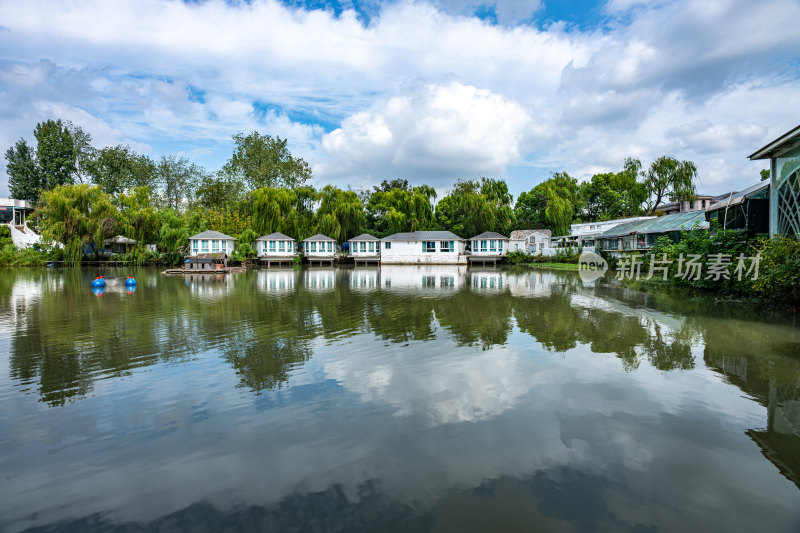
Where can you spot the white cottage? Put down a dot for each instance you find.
(488, 246)
(441, 247)
(365, 248)
(319, 248)
(210, 242)
(275, 248)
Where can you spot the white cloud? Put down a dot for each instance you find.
(424, 90)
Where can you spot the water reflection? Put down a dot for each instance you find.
(406, 398)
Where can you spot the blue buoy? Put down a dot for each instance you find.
(130, 282)
(98, 282)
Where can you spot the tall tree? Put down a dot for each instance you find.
(669, 178)
(178, 179)
(613, 195)
(553, 203)
(55, 153)
(285, 210)
(397, 210)
(220, 191)
(84, 151)
(264, 161)
(24, 178)
(473, 207)
(138, 218)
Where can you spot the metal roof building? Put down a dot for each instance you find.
(641, 235)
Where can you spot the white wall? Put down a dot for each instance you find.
(318, 253)
(476, 247)
(355, 248)
(223, 246)
(262, 248)
(427, 278)
(410, 252)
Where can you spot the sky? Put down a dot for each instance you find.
(430, 91)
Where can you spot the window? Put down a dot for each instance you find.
(330, 246)
(195, 245)
(388, 245)
(272, 246)
(312, 247)
(362, 246)
(704, 204)
(215, 245)
(541, 246)
(483, 246)
(204, 246)
(371, 246)
(500, 246)
(446, 246)
(428, 246)
(493, 245)
(281, 246)
(516, 246)
(428, 281)
(691, 204)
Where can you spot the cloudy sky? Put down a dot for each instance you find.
(431, 91)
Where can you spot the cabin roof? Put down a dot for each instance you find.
(211, 234)
(119, 239)
(522, 234)
(319, 237)
(676, 222)
(490, 235)
(424, 236)
(277, 236)
(364, 237)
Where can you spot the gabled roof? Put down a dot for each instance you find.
(676, 222)
(319, 237)
(490, 235)
(211, 234)
(424, 236)
(275, 237)
(778, 145)
(522, 234)
(364, 237)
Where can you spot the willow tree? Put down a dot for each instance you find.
(285, 210)
(79, 216)
(138, 218)
(669, 178)
(340, 214)
(473, 207)
(553, 203)
(397, 209)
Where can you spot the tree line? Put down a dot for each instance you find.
(85, 194)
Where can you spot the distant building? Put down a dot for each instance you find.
(784, 195)
(700, 203)
(583, 234)
(530, 241)
(416, 247)
(488, 247)
(118, 245)
(15, 213)
(747, 210)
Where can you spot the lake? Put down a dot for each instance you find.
(391, 399)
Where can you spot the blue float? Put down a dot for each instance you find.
(130, 282)
(98, 282)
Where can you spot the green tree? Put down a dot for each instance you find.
(397, 210)
(668, 178)
(85, 153)
(55, 153)
(288, 211)
(24, 178)
(553, 203)
(264, 161)
(178, 179)
(220, 191)
(138, 218)
(340, 214)
(765, 174)
(79, 216)
(473, 207)
(613, 195)
(118, 169)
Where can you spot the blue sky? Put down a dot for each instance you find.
(431, 91)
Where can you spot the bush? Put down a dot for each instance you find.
(779, 271)
(10, 255)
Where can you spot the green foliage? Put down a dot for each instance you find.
(10, 255)
(264, 161)
(613, 195)
(77, 215)
(138, 218)
(24, 178)
(340, 214)
(764, 174)
(396, 210)
(55, 153)
(5, 235)
(779, 272)
(179, 179)
(118, 169)
(244, 245)
(473, 207)
(553, 203)
(669, 178)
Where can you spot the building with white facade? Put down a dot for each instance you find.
(210, 242)
(365, 248)
(488, 247)
(275, 248)
(319, 248)
(530, 241)
(582, 235)
(14, 213)
(421, 247)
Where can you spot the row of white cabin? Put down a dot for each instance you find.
(419, 247)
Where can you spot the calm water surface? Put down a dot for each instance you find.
(394, 399)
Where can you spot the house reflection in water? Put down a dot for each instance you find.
(365, 279)
(208, 285)
(319, 279)
(435, 278)
(490, 280)
(277, 281)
